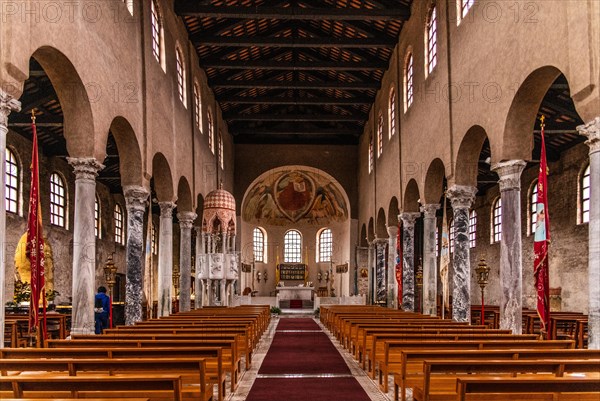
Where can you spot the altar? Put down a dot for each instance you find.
(289, 293)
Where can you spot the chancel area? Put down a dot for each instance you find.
(300, 199)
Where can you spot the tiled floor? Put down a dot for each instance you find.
(249, 376)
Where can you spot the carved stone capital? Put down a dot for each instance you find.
(136, 198)
(380, 241)
(166, 209)
(429, 209)
(85, 168)
(392, 231)
(7, 104)
(186, 219)
(510, 174)
(591, 131)
(198, 230)
(409, 218)
(461, 196)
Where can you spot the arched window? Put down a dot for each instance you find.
(221, 156)
(58, 201)
(370, 154)
(292, 247)
(154, 239)
(259, 245)
(497, 220)
(408, 82)
(157, 31)
(209, 120)
(11, 185)
(472, 229)
(585, 196)
(129, 5)
(431, 40)
(97, 217)
(533, 191)
(119, 234)
(392, 113)
(465, 6)
(197, 107)
(380, 134)
(451, 235)
(325, 245)
(181, 87)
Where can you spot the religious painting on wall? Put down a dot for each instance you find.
(380, 274)
(291, 196)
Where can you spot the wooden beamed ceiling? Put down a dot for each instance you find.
(295, 71)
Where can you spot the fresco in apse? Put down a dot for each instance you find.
(293, 196)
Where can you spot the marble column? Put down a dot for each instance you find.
(198, 288)
(165, 258)
(511, 263)
(135, 201)
(84, 244)
(392, 285)
(461, 197)
(429, 259)
(7, 104)
(380, 293)
(408, 260)
(591, 130)
(186, 220)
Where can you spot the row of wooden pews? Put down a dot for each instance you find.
(179, 357)
(444, 360)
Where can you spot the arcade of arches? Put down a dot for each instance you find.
(137, 138)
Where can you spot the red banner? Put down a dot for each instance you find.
(35, 242)
(541, 241)
(399, 264)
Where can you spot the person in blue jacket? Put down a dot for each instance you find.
(101, 309)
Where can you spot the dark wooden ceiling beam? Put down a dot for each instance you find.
(245, 41)
(191, 8)
(294, 117)
(240, 84)
(278, 132)
(294, 66)
(294, 100)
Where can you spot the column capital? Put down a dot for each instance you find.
(409, 218)
(429, 209)
(135, 197)
(166, 209)
(591, 131)
(85, 168)
(380, 241)
(7, 104)
(510, 174)
(461, 196)
(186, 219)
(198, 230)
(392, 231)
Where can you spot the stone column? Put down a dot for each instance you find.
(511, 263)
(380, 293)
(371, 278)
(429, 259)
(392, 285)
(591, 130)
(135, 201)
(165, 258)
(186, 220)
(84, 244)
(408, 260)
(199, 300)
(461, 197)
(7, 104)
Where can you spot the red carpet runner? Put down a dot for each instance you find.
(303, 365)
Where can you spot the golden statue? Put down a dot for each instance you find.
(23, 267)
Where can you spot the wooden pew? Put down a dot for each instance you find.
(523, 389)
(439, 377)
(155, 387)
(192, 370)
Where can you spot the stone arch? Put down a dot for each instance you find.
(517, 141)
(163, 179)
(434, 182)
(78, 121)
(184, 196)
(467, 159)
(371, 232)
(363, 236)
(411, 197)
(393, 212)
(381, 226)
(130, 156)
